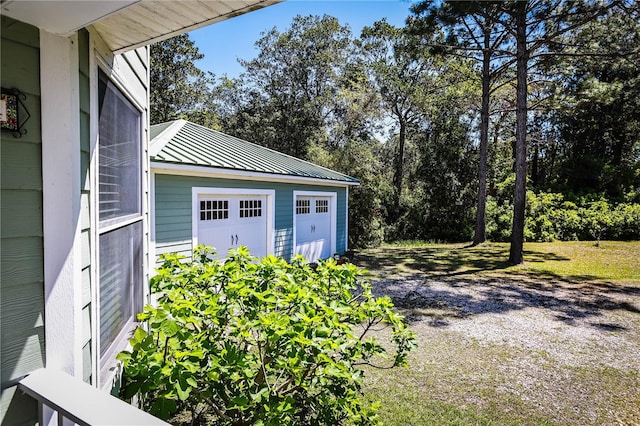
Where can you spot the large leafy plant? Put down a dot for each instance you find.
(247, 342)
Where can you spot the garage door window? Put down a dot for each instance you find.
(303, 206)
(250, 208)
(322, 206)
(214, 209)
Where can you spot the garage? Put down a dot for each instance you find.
(227, 218)
(211, 188)
(314, 225)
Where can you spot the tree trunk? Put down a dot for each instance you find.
(399, 166)
(519, 198)
(480, 234)
(534, 166)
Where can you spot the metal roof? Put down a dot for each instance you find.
(186, 143)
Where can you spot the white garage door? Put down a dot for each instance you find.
(313, 227)
(228, 221)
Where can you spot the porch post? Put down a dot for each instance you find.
(61, 201)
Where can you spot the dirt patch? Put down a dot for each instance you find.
(568, 351)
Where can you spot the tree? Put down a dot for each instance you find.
(535, 31)
(291, 85)
(474, 32)
(404, 78)
(179, 89)
(597, 115)
(538, 28)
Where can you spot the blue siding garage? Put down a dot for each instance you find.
(215, 189)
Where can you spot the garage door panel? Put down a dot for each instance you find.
(313, 227)
(230, 221)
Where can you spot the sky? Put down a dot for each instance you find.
(224, 42)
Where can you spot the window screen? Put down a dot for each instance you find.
(121, 245)
(121, 274)
(119, 153)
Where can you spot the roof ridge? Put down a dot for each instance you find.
(158, 143)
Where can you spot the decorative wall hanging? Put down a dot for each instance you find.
(11, 112)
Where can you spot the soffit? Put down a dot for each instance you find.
(125, 24)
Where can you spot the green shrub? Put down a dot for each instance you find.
(549, 217)
(242, 342)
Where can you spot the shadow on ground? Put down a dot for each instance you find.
(439, 286)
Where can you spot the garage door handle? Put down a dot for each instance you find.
(236, 239)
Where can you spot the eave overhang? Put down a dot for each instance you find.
(127, 24)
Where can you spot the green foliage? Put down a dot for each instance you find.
(179, 89)
(240, 342)
(549, 217)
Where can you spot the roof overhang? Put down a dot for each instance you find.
(220, 173)
(128, 24)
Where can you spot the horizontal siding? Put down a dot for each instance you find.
(173, 211)
(341, 221)
(18, 408)
(21, 212)
(21, 259)
(136, 62)
(24, 352)
(136, 86)
(21, 255)
(85, 197)
(20, 174)
(179, 247)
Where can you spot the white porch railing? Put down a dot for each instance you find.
(79, 402)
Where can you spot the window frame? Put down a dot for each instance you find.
(104, 365)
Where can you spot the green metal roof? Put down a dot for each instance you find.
(159, 128)
(186, 143)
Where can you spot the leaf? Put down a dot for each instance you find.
(169, 327)
(163, 408)
(183, 391)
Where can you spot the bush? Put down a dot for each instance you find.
(242, 342)
(549, 217)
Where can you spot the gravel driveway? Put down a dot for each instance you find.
(572, 348)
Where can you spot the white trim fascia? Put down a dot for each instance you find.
(60, 103)
(219, 173)
(158, 143)
(333, 205)
(93, 206)
(197, 191)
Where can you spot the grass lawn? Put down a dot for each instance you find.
(553, 341)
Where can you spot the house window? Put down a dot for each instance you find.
(214, 209)
(250, 208)
(121, 234)
(322, 206)
(303, 206)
